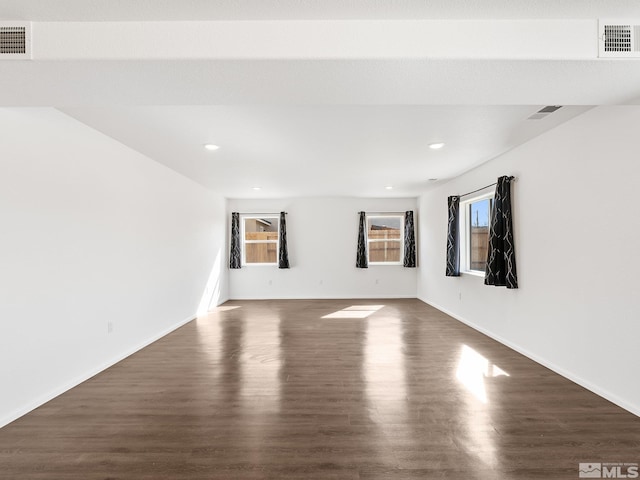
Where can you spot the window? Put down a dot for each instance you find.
(475, 231)
(385, 239)
(260, 240)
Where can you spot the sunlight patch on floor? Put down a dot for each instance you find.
(355, 311)
(225, 308)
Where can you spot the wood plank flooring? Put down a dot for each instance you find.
(339, 389)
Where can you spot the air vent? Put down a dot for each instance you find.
(544, 112)
(549, 109)
(619, 39)
(15, 40)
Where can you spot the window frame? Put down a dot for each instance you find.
(465, 230)
(244, 241)
(400, 241)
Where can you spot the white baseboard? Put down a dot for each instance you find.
(622, 403)
(86, 376)
(326, 297)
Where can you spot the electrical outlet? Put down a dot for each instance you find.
(459, 295)
(109, 326)
(320, 282)
(377, 281)
(270, 282)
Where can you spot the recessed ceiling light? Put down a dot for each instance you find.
(388, 187)
(211, 147)
(436, 146)
(256, 188)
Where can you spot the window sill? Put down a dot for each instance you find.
(473, 273)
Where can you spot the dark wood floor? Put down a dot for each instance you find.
(272, 390)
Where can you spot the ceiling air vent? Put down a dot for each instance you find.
(619, 39)
(15, 40)
(544, 112)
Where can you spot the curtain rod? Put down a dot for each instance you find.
(482, 188)
(397, 212)
(261, 214)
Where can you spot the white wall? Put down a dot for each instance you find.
(92, 232)
(577, 228)
(322, 266)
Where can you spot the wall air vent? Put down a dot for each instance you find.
(619, 39)
(544, 112)
(15, 40)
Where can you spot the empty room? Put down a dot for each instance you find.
(304, 239)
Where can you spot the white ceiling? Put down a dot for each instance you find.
(332, 97)
(320, 150)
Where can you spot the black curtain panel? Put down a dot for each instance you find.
(235, 254)
(501, 255)
(453, 240)
(361, 257)
(283, 254)
(409, 241)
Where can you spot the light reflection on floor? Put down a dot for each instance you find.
(473, 371)
(385, 375)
